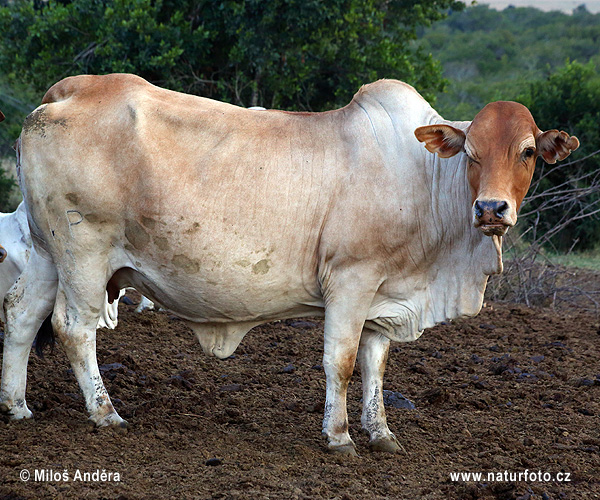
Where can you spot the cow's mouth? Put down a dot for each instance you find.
(493, 229)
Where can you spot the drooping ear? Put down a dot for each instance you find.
(554, 145)
(444, 140)
(1, 116)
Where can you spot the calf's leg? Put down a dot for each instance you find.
(26, 306)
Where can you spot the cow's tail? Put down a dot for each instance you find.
(45, 337)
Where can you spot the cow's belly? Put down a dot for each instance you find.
(226, 289)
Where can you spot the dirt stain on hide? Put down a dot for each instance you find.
(38, 121)
(193, 229)
(148, 222)
(261, 267)
(137, 235)
(94, 218)
(186, 264)
(61, 122)
(72, 198)
(132, 112)
(161, 243)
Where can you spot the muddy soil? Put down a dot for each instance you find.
(513, 389)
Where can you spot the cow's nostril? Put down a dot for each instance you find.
(501, 208)
(478, 209)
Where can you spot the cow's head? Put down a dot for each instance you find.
(502, 144)
(2, 253)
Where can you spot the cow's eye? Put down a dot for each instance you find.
(529, 152)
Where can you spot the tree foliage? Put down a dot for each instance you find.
(6, 186)
(301, 54)
(490, 55)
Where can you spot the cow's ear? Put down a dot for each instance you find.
(554, 145)
(444, 140)
(1, 116)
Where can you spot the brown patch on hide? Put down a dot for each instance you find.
(137, 235)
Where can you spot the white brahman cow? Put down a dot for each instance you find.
(231, 218)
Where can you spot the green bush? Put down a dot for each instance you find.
(490, 55)
(7, 185)
(307, 54)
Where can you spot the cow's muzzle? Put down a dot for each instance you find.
(2, 254)
(492, 216)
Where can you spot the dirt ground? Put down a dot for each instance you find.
(513, 389)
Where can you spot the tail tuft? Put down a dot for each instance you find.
(44, 337)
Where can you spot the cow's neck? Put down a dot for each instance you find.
(441, 263)
(451, 280)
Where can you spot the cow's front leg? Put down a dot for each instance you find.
(345, 315)
(76, 329)
(338, 361)
(373, 353)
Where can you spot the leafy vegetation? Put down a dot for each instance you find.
(7, 184)
(305, 54)
(490, 55)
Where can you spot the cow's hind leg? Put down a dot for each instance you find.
(74, 321)
(373, 353)
(27, 305)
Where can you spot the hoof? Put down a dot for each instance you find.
(386, 445)
(15, 412)
(345, 449)
(110, 420)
